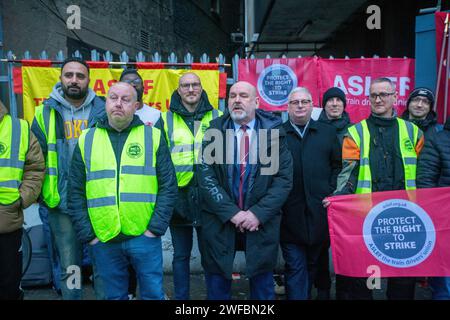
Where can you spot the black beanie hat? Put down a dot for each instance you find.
(334, 92)
(423, 92)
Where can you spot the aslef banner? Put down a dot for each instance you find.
(275, 78)
(159, 84)
(399, 233)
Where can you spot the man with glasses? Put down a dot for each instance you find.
(419, 111)
(316, 152)
(379, 154)
(148, 115)
(185, 124)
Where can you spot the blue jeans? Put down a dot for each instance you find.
(52, 252)
(111, 261)
(69, 250)
(219, 288)
(301, 269)
(182, 247)
(440, 287)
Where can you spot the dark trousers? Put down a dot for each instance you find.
(219, 287)
(300, 270)
(10, 265)
(323, 279)
(182, 241)
(398, 288)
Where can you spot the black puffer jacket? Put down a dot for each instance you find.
(433, 168)
(186, 211)
(341, 124)
(429, 125)
(167, 185)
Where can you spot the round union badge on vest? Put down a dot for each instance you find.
(3, 148)
(408, 145)
(134, 150)
(275, 83)
(399, 233)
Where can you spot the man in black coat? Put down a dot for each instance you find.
(333, 113)
(317, 161)
(245, 177)
(433, 171)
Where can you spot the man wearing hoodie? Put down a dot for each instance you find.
(57, 124)
(123, 190)
(185, 124)
(22, 170)
(419, 111)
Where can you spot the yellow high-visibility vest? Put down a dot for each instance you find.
(408, 134)
(46, 119)
(129, 209)
(184, 147)
(14, 143)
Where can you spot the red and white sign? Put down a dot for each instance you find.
(353, 76)
(275, 78)
(401, 233)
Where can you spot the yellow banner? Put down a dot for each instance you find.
(159, 84)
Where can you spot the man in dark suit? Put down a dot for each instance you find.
(317, 161)
(245, 176)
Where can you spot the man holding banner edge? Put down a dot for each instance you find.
(379, 154)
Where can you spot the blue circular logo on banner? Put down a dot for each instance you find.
(275, 83)
(399, 233)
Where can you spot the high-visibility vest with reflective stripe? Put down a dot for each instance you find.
(408, 134)
(46, 119)
(14, 140)
(129, 209)
(184, 147)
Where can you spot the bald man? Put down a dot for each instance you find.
(243, 191)
(122, 192)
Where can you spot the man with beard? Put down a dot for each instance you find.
(419, 111)
(243, 189)
(185, 123)
(57, 124)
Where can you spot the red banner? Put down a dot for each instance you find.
(275, 78)
(353, 76)
(394, 233)
(443, 55)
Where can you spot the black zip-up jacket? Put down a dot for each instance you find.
(429, 125)
(167, 185)
(433, 167)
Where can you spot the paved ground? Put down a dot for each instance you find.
(198, 291)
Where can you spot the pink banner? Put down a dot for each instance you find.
(275, 78)
(392, 234)
(442, 53)
(353, 76)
